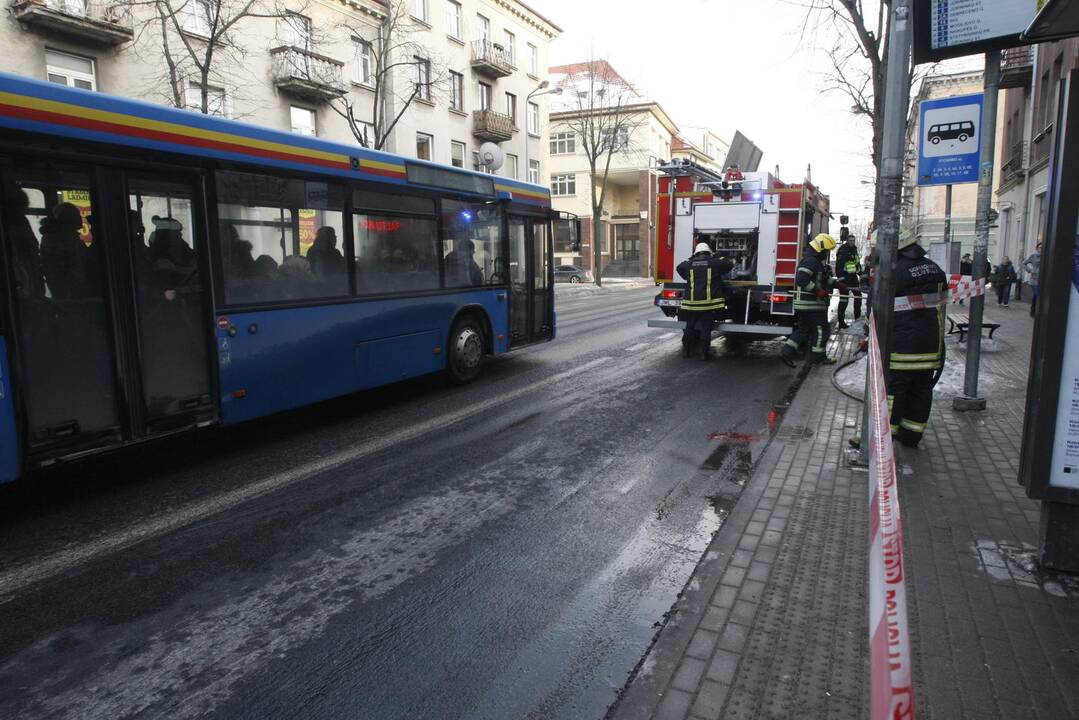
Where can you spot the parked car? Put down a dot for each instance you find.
(571, 274)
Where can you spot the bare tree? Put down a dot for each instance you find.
(602, 110)
(201, 44)
(860, 33)
(399, 71)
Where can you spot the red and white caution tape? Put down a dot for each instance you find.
(917, 302)
(890, 693)
(962, 287)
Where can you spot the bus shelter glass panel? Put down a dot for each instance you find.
(65, 327)
(170, 298)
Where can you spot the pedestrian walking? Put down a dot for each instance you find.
(1033, 265)
(813, 289)
(917, 347)
(847, 270)
(1004, 276)
(704, 298)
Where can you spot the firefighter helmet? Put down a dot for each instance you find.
(823, 243)
(906, 238)
(701, 247)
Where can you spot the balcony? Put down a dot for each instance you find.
(307, 75)
(491, 125)
(1015, 166)
(1016, 67)
(91, 22)
(491, 60)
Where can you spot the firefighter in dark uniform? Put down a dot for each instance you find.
(703, 273)
(847, 269)
(813, 288)
(917, 347)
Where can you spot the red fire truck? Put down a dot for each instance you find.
(754, 220)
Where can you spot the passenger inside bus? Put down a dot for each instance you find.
(462, 270)
(327, 262)
(72, 269)
(29, 277)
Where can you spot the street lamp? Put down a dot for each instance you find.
(544, 88)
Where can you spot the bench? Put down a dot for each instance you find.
(960, 323)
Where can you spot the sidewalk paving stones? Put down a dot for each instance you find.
(773, 623)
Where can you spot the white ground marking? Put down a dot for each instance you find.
(19, 577)
(638, 346)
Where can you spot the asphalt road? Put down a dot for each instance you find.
(502, 550)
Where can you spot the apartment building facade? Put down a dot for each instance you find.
(446, 75)
(1030, 79)
(646, 138)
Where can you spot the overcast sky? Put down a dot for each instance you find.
(728, 64)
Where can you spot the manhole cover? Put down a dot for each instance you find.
(795, 432)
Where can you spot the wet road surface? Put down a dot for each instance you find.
(502, 550)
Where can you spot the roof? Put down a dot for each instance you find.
(652, 107)
(42, 107)
(601, 68)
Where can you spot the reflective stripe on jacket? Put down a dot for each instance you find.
(846, 261)
(703, 273)
(918, 333)
(809, 280)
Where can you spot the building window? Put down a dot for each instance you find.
(534, 172)
(368, 130)
(362, 63)
(533, 118)
(511, 107)
(70, 70)
(198, 17)
(295, 30)
(215, 99)
(424, 146)
(453, 20)
(303, 120)
(457, 90)
(618, 137)
(562, 185)
(533, 60)
(457, 154)
(423, 78)
(483, 29)
(485, 96)
(511, 166)
(419, 10)
(563, 143)
(511, 43)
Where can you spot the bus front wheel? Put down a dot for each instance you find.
(465, 350)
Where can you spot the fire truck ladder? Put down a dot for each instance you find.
(796, 244)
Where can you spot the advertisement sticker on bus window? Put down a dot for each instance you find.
(223, 322)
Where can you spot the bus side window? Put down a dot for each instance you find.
(472, 243)
(396, 242)
(280, 238)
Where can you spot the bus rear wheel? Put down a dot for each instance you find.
(465, 351)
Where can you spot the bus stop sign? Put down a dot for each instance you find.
(949, 140)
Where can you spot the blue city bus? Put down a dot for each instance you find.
(163, 270)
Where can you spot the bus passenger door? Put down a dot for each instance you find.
(170, 300)
(65, 331)
(519, 288)
(530, 280)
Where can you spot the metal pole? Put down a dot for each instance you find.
(971, 401)
(948, 219)
(889, 193)
(897, 98)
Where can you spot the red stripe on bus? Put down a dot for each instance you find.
(399, 174)
(176, 139)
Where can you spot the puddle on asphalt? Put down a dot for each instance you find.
(1017, 564)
